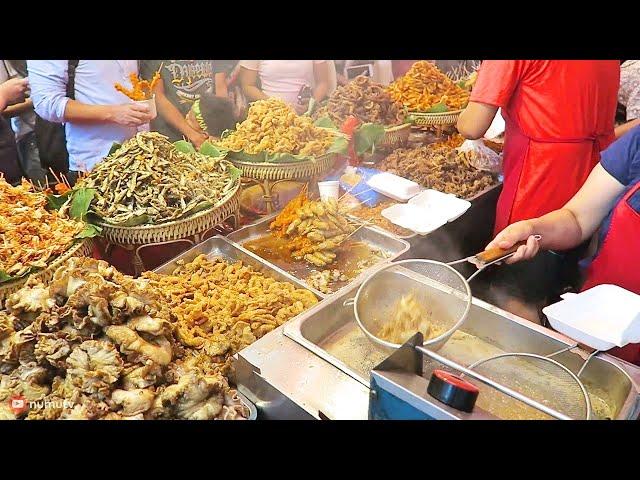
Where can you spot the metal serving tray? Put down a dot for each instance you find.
(330, 331)
(375, 237)
(220, 247)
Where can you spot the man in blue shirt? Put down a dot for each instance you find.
(98, 115)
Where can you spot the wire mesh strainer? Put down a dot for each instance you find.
(440, 295)
(539, 378)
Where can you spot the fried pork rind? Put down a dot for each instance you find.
(272, 126)
(220, 308)
(439, 167)
(364, 99)
(96, 344)
(32, 236)
(147, 180)
(424, 86)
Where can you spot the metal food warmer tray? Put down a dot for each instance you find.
(321, 365)
(219, 246)
(372, 236)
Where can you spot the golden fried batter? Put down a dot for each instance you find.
(272, 126)
(221, 308)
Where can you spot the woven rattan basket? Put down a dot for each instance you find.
(176, 230)
(435, 119)
(83, 248)
(285, 171)
(396, 136)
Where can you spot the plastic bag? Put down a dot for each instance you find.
(480, 156)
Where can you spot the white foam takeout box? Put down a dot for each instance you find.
(427, 211)
(602, 317)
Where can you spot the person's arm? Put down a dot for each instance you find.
(12, 91)
(494, 87)
(18, 108)
(625, 127)
(220, 81)
(48, 81)
(249, 84)
(321, 75)
(568, 227)
(170, 113)
(476, 119)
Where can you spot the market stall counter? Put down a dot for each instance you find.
(319, 366)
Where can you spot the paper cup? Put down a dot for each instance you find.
(330, 189)
(151, 104)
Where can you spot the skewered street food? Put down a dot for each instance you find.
(364, 99)
(424, 87)
(315, 229)
(32, 235)
(141, 89)
(147, 180)
(219, 308)
(272, 126)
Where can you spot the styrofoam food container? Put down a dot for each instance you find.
(414, 218)
(441, 204)
(602, 317)
(393, 186)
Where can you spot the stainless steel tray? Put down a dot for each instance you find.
(330, 331)
(375, 237)
(220, 247)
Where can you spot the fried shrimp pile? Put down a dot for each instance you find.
(424, 86)
(31, 234)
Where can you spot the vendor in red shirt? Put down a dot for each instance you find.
(609, 204)
(559, 115)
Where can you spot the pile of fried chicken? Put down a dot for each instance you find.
(96, 344)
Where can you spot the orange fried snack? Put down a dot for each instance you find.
(142, 89)
(31, 234)
(424, 86)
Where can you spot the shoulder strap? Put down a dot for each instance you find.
(71, 82)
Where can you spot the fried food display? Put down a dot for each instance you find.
(315, 229)
(440, 168)
(272, 126)
(219, 308)
(147, 180)
(32, 235)
(424, 86)
(141, 89)
(364, 99)
(96, 344)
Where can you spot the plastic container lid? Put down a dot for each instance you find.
(602, 317)
(393, 186)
